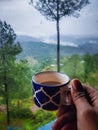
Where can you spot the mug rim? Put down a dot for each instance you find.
(61, 85)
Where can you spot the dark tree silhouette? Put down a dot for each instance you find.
(9, 48)
(54, 10)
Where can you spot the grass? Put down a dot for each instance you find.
(27, 124)
(3, 124)
(22, 117)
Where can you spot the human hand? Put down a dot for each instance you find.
(84, 114)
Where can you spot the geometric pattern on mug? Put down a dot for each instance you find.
(51, 98)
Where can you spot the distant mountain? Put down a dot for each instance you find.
(69, 45)
(25, 38)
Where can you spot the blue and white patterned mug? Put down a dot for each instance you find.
(49, 89)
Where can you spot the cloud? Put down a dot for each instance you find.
(24, 18)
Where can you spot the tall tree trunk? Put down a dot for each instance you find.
(6, 88)
(7, 102)
(58, 38)
(58, 47)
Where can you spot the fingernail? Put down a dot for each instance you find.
(77, 86)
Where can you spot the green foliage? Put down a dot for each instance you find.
(42, 117)
(9, 48)
(84, 67)
(26, 119)
(21, 87)
(72, 66)
(20, 112)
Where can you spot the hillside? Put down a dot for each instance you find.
(69, 45)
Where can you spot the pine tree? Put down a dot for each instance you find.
(54, 10)
(9, 48)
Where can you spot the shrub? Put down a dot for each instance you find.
(16, 112)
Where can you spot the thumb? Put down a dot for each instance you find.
(79, 95)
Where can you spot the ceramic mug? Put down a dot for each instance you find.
(50, 89)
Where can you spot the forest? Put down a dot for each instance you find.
(17, 108)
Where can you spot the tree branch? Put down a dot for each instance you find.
(51, 10)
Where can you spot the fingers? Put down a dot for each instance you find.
(78, 95)
(93, 95)
(64, 109)
(90, 91)
(63, 120)
(81, 96)
(70, 126)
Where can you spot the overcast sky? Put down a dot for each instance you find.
(24, 19)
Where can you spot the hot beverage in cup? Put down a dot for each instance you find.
(52, 83)
(49, 89)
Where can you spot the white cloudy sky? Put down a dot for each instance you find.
(24, 19)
